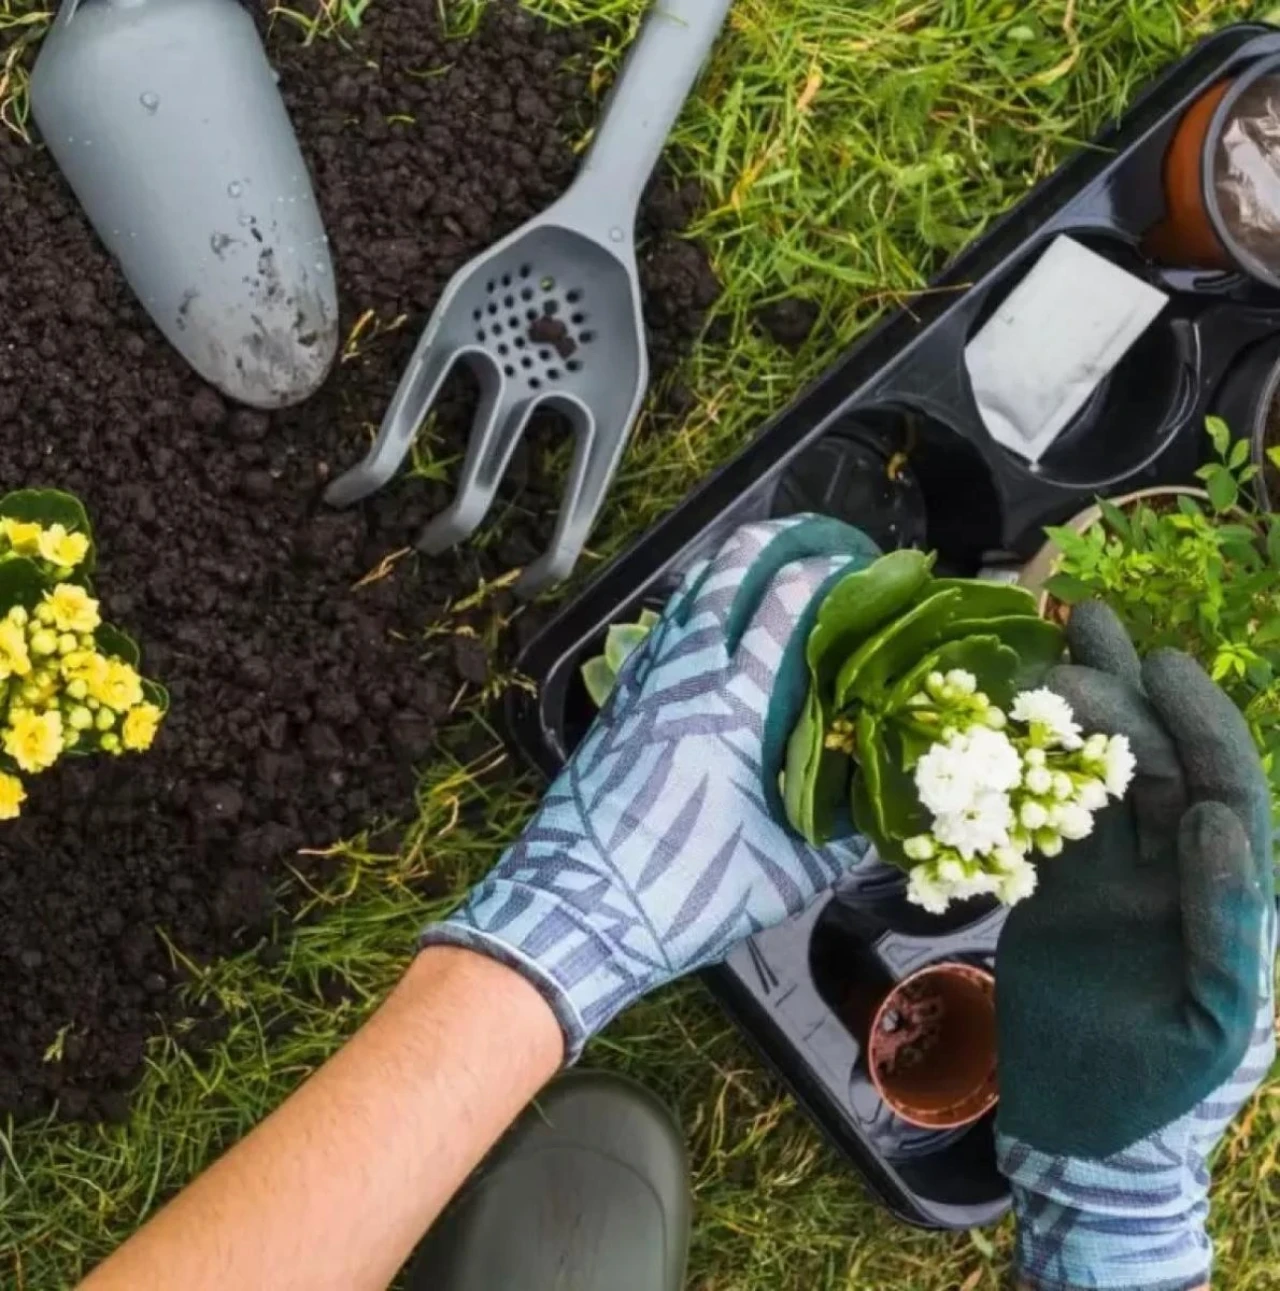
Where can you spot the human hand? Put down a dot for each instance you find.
(657, 848)
(1135, 990)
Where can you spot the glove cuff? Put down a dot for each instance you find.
(549, 943)
(1127, 1223)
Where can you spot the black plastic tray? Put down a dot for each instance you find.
(905, 386)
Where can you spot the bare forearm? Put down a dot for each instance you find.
(336, 1187)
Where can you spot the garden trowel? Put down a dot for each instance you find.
(166, 120)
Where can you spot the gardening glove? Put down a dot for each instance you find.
(656, 849)
(1135, 989)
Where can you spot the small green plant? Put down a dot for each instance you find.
(912, 683)
(1201, 576)
(69, 683)
(600, 674)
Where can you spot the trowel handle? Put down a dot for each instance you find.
(646, 99)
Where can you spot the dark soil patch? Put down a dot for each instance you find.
(790, 321)
(301, 705)
(909, 1030)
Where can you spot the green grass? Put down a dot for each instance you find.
(847, 150)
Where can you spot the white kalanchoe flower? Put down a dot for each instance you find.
(926, 890)
(920, 848)
(1092, 795)
(1017, 881)
(1119, 766)
(1048, 842)
(994, 718)
(1063, 789)
(978, 827)
(1072, 821)
(1095, 748)
(963, 683)
(945, 780)
(997, 763)
(1032, 816)
(1039, 780)
(1049, 716)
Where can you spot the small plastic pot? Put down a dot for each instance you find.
(860, 474)
(1044, 564)
(1245, 401)
(931, 1047)
(1218, 143)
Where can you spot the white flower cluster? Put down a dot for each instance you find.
(1001, 788)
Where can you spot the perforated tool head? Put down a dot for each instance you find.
(550, 317)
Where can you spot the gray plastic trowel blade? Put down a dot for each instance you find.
(167, 122)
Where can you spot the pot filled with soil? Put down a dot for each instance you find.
(1222, 179)
(1247, 402)
(1044, 564)
(931, 1046)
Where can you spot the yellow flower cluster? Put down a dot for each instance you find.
(54, 543)
(59, 691)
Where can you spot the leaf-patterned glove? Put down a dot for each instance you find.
(1135, 988)
(656, 849)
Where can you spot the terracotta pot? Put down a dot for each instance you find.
(931, 1046)
(1044, 564)
(1196, 231)
(1187, 236)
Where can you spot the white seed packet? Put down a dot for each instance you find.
(1057, 334)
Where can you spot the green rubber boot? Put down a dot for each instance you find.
(588, 1192)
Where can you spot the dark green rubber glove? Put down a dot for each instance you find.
(1135, 989)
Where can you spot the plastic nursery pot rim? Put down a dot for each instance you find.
(1257, 432)
(1238, 255)
(1044, 564)
(957, 1085)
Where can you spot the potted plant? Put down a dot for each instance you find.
(69, 683)
(926, 728)
(1201, 575)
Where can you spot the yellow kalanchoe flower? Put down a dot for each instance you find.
(33, 740)
(61, 548)
(74, 610)
(24, 535)
(140, 726)
(85, 665)
(12, 796)
(119, 688)
(15, 660)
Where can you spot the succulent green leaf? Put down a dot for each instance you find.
(985, 599)
(1037, 645)
(890, 786)
(154, 693)
(598, 678)
(815, 776)
(866, 822)
(860, 604)
(622, 641)
(993, 663)
(117, 644)
(21, 583)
